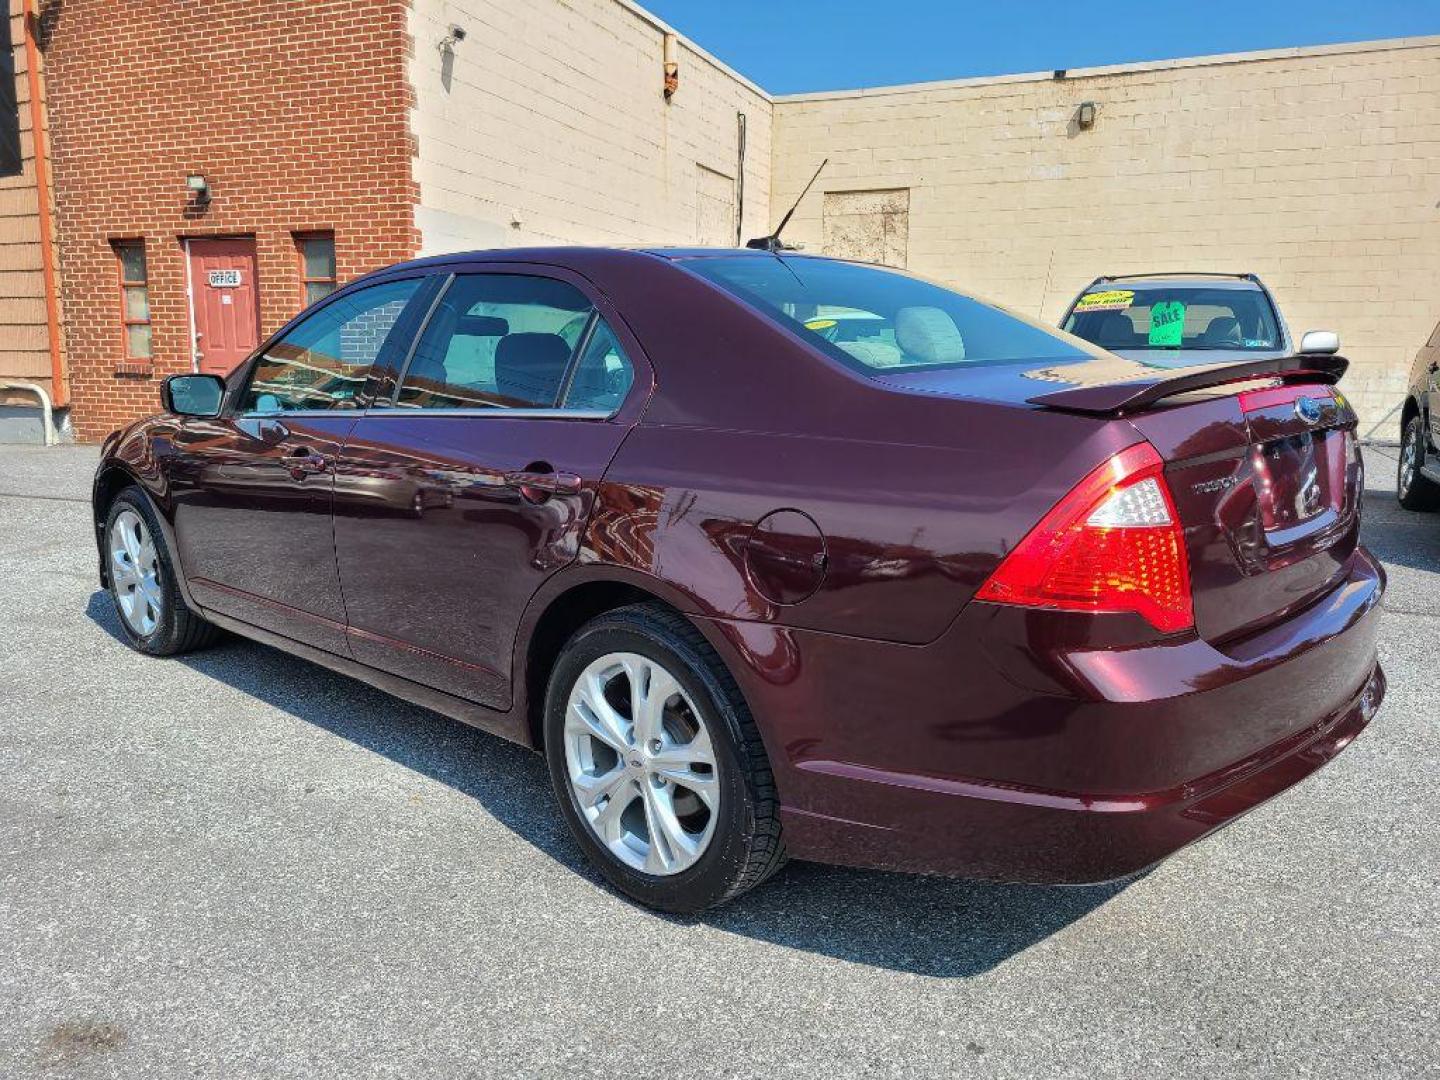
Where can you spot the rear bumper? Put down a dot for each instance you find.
(975, 830)
(1019, 747)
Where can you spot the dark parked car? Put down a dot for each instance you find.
(948, 591)
(1178, 319)
(1418, 481)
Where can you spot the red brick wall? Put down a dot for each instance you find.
(296, 112)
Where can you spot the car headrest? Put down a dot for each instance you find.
(929, 334)
(529, 367)
(875, 354)
(1222, 330)
(1115, 328)
(482, 326)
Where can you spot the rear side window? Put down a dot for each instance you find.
(879, 321)
(509, 341)
(322, 362)
(1175, 317)
(603, 373)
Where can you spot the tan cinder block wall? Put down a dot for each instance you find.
(549, 126)
(1318, 169)
(24, 335)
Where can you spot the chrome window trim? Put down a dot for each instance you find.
(402, 411)
(496, 411)
(355, 413)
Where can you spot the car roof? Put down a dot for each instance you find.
(573, 254)
(1212, 279)
(713, 252)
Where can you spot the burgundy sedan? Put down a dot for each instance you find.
(778, 556)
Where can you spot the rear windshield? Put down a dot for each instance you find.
(879, 321)
(1175, 317)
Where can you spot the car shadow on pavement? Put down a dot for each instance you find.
(921, 925)
(929, 926)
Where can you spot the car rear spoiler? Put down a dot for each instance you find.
(1131, 396)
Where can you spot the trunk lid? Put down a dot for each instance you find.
(1264, 467)
(1260, 457)
(1267, 485)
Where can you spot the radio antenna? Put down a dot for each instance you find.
(772, 242)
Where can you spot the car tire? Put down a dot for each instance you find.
(729, 839)
(154, 617)
(1414, 489)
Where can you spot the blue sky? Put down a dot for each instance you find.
(789, 46)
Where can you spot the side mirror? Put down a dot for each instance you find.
(1320, 342)
(193, 395)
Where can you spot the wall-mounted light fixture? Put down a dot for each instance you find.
(454, 35)
(199, 187)
(1085, 115)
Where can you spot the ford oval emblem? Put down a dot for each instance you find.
(1308, 409)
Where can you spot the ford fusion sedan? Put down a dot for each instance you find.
(778, 556)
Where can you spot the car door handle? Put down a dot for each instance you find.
(303, 462)
(535, 486)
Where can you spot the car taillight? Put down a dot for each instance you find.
(1112, 544)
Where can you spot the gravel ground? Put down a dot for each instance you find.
(239, 864)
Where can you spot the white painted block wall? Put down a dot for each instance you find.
(548, 125)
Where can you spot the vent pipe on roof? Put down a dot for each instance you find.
(672, 65)
(740, 180)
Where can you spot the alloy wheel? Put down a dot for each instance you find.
(641, 764)
(135, 573)
(1409, 461)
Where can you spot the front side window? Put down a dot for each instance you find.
(507, 341)
(322, 362)
(317, 266)
(134, 298)
(878, 321)
(1158, 318)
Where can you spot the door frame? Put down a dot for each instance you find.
(185, 242)
(190, 303)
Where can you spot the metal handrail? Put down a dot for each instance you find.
(47, 414)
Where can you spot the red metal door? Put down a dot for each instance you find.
(224, 302)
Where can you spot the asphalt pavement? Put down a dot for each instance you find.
(240, 864)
